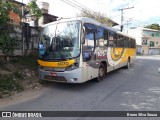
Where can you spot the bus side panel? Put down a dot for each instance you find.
(84, 72)
(118, 57)
(89, 71)
(129, 53)
(115, 56)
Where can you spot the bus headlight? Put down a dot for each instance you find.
(72, 67)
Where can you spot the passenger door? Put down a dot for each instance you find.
(88, 51)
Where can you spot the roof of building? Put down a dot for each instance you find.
(113, 22)
(50, 15)
(142, 28)
(149, 29)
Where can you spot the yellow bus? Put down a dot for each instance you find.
(80, 49)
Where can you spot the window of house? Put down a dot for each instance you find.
(144, 42)
(157, 34)
(146, 32)
(153, 34)
(151, 44)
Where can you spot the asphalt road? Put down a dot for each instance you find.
(134, 89)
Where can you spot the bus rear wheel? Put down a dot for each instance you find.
(101, 73)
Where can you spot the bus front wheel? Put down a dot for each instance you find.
(101, 73)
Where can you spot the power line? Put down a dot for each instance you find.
(82, 5)
(137, 20)
(73, 5)
(77, 5)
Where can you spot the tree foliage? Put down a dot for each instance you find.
(34, 9)
(154, 26)
(97, 16)
(8, 41)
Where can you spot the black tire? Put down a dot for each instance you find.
(128, 64)
(101, 73)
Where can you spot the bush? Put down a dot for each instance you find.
(8, 85)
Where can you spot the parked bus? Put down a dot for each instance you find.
(80, 49)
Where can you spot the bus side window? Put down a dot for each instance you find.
(126, 42)
(90, 31)
(112, 39)
(120, 41)
(90, 41)
(105, 37)
(100, 39)
(133, 43)
(129, 42)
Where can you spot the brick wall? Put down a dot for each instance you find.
(14, 17)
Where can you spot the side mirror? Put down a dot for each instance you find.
(83, 35)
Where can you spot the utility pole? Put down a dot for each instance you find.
(122, 9)
(127, 23)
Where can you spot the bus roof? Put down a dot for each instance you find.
(82, 19)
(89, 20)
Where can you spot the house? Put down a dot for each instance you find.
(15, 18)
(28, 37)
(148, 40)
(44, 19)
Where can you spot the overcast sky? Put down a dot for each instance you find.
(144, 12)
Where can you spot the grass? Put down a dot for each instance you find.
(18, 75)
(13, 83)
(30, 62)
(8, 85)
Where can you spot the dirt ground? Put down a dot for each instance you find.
(21, 97)
(23, 71)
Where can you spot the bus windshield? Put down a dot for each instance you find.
(63, 40)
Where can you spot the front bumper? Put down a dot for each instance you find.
(72, 76)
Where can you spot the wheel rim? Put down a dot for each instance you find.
(101, 72)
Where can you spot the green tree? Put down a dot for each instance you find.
(34, 9)
(154, 26)
(97, 16)
(8, 40)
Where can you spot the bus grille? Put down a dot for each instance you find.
(55, 78)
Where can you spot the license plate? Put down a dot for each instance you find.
(53, 74)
